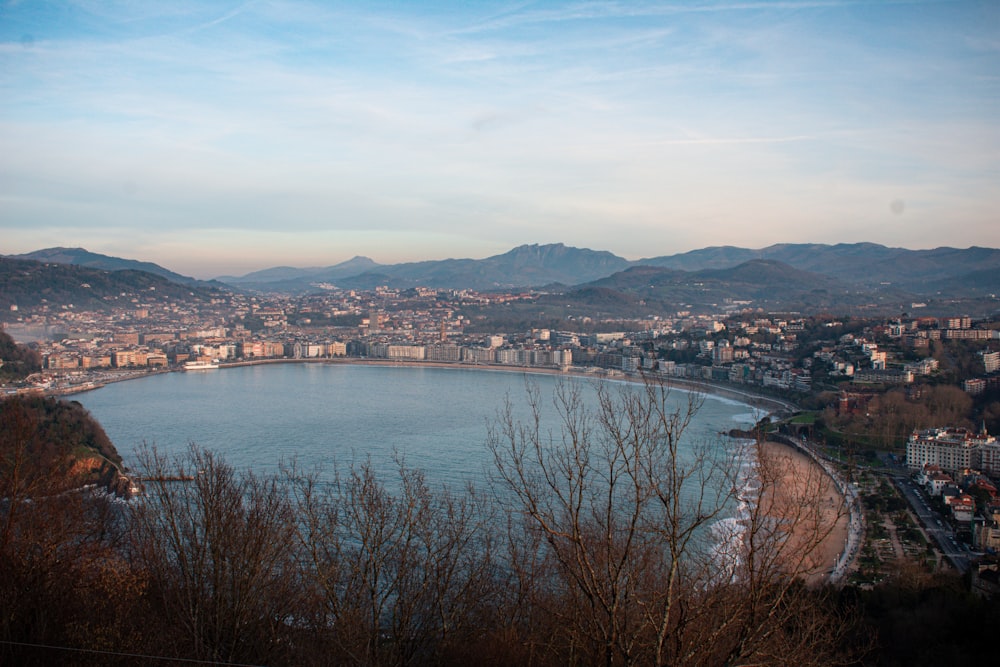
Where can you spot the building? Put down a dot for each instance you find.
(953, 449)
(406, 352)
(989, 457)
(964, 322)
(478, 355)
(723, 354)
(991, 361)
(974, 386)
(443, 352)
(889, 376)
(923, 367)
(124, 358)
(963, 508)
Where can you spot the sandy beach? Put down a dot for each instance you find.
(808, 513)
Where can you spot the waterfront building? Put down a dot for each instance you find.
(443, 352)
(478, 355)
(405, 352)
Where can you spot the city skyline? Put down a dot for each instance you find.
(224, 138)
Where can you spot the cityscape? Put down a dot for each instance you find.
(660, 332)
(898, 412)
(832, 367)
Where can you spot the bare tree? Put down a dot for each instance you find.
(217, 547)
(400, 575)
(625, 504)
(772, 607)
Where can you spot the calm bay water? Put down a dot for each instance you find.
(257, 416)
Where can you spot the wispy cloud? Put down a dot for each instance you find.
(479, 123)
(525, 15)
(711, 141)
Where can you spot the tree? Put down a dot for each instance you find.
(398, 577)
(63, 584)
(17, 361)
(217, 548)
(624, 506)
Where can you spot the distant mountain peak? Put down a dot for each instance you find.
(539, 264)
(94, 260)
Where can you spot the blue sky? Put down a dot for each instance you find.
(224, 137)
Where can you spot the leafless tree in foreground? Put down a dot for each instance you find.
(218, 553)
(600, 544)
(623, 505)
(401, 576)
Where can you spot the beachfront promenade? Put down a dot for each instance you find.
(849, 494)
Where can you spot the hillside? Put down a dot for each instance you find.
(292, 279)
(524, 266)
(93, 260)
(765, 283)
(53, 445)
(17, 361)
(844, 267)
(856, 263)
(28, 283)
(804, 277)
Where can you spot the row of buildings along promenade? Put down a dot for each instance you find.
(742, 348)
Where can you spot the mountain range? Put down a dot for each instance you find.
(523, 267)
(806, 276)
(857, 264)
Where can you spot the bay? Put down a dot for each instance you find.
(322, 415)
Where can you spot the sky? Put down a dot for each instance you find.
(219, 138)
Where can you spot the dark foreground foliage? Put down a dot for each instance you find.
(18, 361)
(583, 553)
(62, 425)
(922, 619)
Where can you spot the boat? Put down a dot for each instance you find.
(201, 365)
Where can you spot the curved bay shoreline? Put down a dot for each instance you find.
(767, 405)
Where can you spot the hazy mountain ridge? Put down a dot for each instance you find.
(93, 260)
(28, 283)
(785, 276)
(290, 274)
(864, 263)
(761, 281)
(557, 264)
(768, 273)
(522, 267)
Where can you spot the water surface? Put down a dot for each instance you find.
(320, 414)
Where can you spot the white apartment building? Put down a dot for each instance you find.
(405, 352)
(991, 361)
(952, 449)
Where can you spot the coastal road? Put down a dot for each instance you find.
(936, 527)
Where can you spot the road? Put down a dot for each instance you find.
(934, 524)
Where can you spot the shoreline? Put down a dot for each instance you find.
(837, 555)
(836, 549)
(802, 493)
(768, 404)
